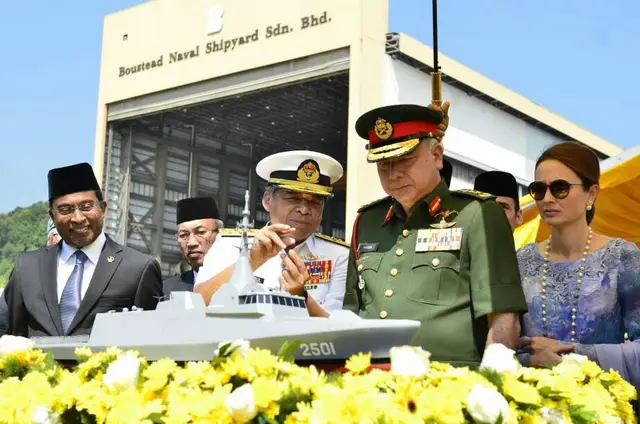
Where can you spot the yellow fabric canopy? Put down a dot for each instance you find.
(617, 205)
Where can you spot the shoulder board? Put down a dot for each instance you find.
(332, 239)
(372, 204)
(236, 232)
(474, 193)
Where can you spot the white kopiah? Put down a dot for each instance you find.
(123, 372)
(486, 405)
(409, 361)
(499, 358)
(241, 404)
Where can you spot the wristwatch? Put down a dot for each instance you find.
(305, 294)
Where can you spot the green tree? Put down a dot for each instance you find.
(20, 230)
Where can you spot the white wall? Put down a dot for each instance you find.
(478, 134)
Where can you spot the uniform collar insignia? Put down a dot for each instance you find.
(434, 206)
(389, 214)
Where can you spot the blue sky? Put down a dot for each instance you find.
(577, 58)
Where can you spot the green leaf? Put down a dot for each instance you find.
(492, 376)
(156, 417)
(261, 419)
(288, 350)
(581, 415)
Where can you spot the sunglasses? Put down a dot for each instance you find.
(558, 188)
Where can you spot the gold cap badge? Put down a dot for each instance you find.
(308, 172)
(383, 129)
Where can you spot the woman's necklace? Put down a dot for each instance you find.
(576, 295)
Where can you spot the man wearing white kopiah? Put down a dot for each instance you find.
(286, 254)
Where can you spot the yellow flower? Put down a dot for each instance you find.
(520, 392)
(267, 391)
(157, 375)
(359, 363)
(20, 398)
(590, 369)
(307, 380)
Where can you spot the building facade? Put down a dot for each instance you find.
(192, 97)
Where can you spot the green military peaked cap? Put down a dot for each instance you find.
(394, 131)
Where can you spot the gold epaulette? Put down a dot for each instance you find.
(474, 193)
(236, 232)
(375, 202)
(332, 239)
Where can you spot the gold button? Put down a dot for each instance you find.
(435, 262)
(393, 272)
(360, 267)
(399, 252)
(405, 233)
(388, 293)
(383, 314)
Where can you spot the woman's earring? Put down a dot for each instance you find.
(589, 207)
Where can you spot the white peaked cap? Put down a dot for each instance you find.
(301, 170)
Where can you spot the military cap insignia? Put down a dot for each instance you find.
(308, 172)
(383, 129)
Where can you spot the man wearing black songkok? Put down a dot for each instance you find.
(57, 290)
(503, 185)
(446, 172)
(198, 222)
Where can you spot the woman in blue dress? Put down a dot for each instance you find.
(582, 288)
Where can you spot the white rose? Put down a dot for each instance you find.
(573, 358)
(43, 415)
(486, 405)
(241, 403)
(13, 344)
(499, 358)
(239, 348)
(409, 361)
(552, 416)
(123, 372)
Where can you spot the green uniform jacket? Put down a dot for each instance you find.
(449, 291)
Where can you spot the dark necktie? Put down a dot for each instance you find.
(72, 293)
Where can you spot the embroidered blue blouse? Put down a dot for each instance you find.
(609, 300)
(608, 305)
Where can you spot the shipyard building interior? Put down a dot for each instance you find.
(211, 149)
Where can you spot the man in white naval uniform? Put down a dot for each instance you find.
(287, 253)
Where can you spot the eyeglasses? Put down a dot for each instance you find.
(84, 207)
(199, 233)
(558, 188)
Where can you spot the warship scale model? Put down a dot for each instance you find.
(183, 328)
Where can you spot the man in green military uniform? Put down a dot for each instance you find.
(444, 258)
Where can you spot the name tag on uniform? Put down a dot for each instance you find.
(319, 272)
(431, 240)
(367, 247)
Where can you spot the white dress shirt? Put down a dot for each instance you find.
(67, 261)
(329, 294)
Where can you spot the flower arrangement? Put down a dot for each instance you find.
(242, 384)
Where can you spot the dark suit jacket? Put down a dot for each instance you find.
(183, 282)
(123, 277)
